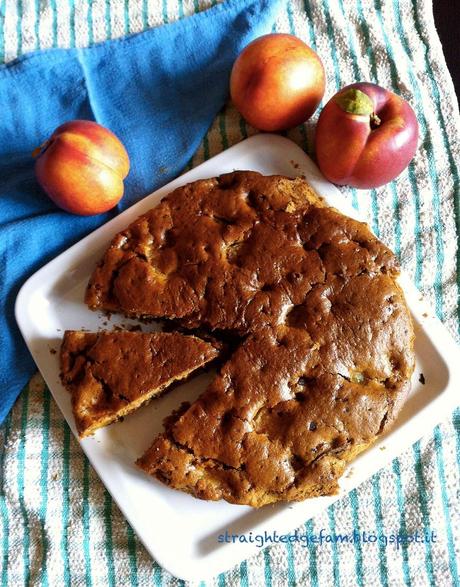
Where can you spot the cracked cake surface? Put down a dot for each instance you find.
(110, 374)
(325, 349)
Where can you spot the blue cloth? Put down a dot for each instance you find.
(159, 91)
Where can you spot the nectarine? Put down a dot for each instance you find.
(82, 167)
(365, 136)
(277, 82)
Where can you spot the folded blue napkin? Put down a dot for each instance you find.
(158, 91)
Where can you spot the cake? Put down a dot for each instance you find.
(324, 339)
(111, 374)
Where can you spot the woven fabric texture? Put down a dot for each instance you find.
(58, 524)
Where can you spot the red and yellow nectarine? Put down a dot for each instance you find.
(277, 82)
(365, 136)
(82, 167)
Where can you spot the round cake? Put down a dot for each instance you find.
(324, 350)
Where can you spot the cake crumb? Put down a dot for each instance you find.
(422, 378)
(135, 328)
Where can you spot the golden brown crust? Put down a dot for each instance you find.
(110, 374)
(327, 348)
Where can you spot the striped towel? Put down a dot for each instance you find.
(59, 526)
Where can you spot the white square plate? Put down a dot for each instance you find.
(178, 530)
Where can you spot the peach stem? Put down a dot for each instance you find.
(36, 152)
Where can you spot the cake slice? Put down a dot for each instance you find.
(283, 417)
(111, 374)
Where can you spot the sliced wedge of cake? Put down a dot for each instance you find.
(111, 374)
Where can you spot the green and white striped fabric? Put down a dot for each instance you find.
(59, 526)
